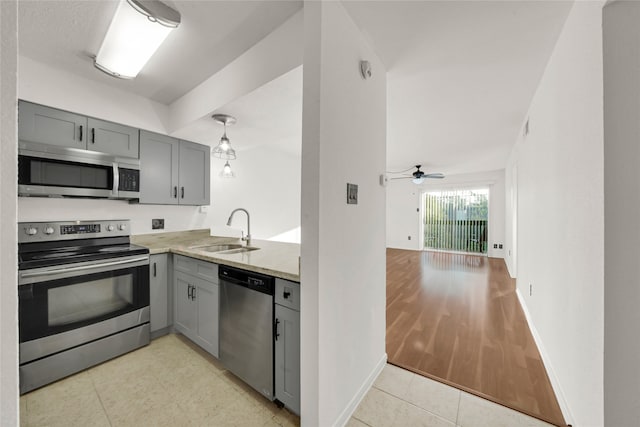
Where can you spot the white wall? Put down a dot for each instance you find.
(268, 182)
(404, 207)
(622, 210)
(561, 216)
(343, 246)
(9, 413)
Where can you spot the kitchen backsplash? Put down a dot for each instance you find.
(176, 218)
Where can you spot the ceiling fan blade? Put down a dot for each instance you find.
(402, 177)
(433, 175)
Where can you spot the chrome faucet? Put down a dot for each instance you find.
(246, 238)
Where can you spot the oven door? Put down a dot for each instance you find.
(65, 306)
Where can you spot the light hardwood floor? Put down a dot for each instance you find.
(456, 318)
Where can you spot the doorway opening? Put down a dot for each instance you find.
(456, 220)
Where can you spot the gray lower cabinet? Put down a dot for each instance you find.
(159, 292)
(196, 306)
(46, 125)
(287, 344)
(172, 171)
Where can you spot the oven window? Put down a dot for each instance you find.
(57, 173)
(89, 300)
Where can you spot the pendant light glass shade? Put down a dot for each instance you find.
(223, 150)
(227, 172)
(137, 30)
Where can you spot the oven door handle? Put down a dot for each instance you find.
(82, 267)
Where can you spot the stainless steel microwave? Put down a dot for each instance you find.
(51, 171)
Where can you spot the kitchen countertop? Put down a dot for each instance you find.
(278, 259)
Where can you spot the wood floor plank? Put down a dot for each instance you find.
(457, 318)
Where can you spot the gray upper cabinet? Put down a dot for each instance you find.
(112, 138)
(46, 125)
(37, 123)
(195, 164)
(172, 171)
(158, 168)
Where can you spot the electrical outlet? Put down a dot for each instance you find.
(495, 246)
(530, 289)
(500, 246)
(157, 224)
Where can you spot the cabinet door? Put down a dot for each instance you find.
(158, 169)
(37, 123)
(206, 298)
(158, 292)
(112, 138)
(185, 313)
(287, 357)
(195, 163)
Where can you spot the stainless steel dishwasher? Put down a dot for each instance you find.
(246, 326)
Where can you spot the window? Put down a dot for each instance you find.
(456, 220)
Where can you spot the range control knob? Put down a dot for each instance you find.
(31, 231)
(122, 227)
(49, 230)
(109, 227)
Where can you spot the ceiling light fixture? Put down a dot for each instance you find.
(137, 30)
(227, 172)
(223, 150)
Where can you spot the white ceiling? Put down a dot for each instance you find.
(461, 74)
(66, 34)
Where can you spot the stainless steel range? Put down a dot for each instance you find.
(83, 297)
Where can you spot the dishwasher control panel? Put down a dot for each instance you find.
(248, 279)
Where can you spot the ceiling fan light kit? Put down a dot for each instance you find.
(223, 150)
(137, 30)
(418, 177)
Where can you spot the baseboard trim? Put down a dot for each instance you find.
(555, 383)
(362, 392)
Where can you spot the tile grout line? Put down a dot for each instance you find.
(106, 414)
(458, 411)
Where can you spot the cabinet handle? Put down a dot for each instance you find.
(80, 132)
(155, 272)
(286, 295)
(189, 291)
(193, 294)
(175, 192)
(182, 192)
(276, 334)
(93, 135)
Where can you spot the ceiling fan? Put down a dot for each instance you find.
(419, 176)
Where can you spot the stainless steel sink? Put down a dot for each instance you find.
(230, 248)
(217, 248)
(239, 250)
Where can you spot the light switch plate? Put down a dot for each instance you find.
(352, 194)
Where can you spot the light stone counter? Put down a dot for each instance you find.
(276, 259)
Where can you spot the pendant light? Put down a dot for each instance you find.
(137, 30)
(223, 150)
(227, 172)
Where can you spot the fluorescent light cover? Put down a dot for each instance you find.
(132, 38)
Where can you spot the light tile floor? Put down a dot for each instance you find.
(172, 382)
(400, 398)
